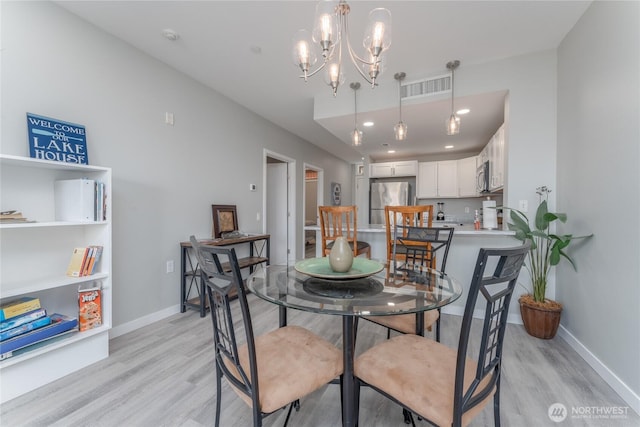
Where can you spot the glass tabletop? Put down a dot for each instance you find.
(391, 291)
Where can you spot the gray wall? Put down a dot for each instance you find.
(599, 183)
(164, 177)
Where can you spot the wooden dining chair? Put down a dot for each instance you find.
(421, 247)
(269, 371)
(414, 216)
(440, 384)
(341, 221)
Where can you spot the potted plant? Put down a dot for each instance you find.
(541, 316)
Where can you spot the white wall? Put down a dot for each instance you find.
(164, 177)
(599, 185)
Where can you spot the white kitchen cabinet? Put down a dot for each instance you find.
(437, 179)
(448, 178)
(496, 161)
(34, 258)
(467, 177)
(427, 180)
(393, 169)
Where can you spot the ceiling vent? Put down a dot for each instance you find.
(429, 87)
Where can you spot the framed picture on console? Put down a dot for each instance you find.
(225, 219)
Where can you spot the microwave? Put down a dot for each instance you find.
(482, 178)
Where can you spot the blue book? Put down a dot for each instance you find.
(59, 324)
(24, 328)
(21, 320)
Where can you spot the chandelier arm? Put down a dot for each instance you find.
(314, 72)
(364, 76)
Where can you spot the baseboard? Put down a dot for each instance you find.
(514, 318)
(143, 321)
(628, 395)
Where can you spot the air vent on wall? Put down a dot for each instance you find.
(429, 87)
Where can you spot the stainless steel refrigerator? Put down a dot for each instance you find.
(387, 194)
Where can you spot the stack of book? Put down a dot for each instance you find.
(84, 261)
(23, 322)
(12, 217)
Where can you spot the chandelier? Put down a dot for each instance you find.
(330, 32)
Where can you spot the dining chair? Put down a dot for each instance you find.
(419, 246)
(415, 216)
(269, 371)
(439, 384)
(341, 221)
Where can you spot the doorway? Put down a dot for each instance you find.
(279, 206)
(313, 197)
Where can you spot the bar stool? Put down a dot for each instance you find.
(338, 221)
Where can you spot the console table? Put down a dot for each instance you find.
(259, 249)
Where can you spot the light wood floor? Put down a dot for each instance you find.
(162, 375)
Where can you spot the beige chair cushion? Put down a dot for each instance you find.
(405, 323)
(420, 373)
(292, 362)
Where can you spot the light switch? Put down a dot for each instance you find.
(168, 118)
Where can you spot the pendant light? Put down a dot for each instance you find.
(453, 123)
(356, 135)
(400, 129)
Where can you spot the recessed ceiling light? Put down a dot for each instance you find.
(448, 147)
(463, 111)
(170, 34)
(367, 124)
(391, 151)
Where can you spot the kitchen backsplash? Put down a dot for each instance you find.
(460, 210)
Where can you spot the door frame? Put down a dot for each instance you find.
(319, 201)
(291, 199)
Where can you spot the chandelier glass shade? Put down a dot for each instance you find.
(331, 34)
(453, 123)
(356, 134)
(400, 129)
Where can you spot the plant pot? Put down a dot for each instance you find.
(541, 319)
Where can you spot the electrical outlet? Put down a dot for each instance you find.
(466, 209)
(252, 187)
(170, 266)
(523, 205)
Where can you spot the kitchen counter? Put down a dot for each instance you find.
(459, 229)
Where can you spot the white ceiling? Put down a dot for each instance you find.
(218, 40)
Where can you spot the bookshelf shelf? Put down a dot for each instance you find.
(34, 257)
(31, 286)
(52, 224)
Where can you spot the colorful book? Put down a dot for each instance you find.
(20, 320)
(59, 324)
(75, 264)
(95, 257)
(24, 328)
(87, 261)
(89, 308)
(17, 307)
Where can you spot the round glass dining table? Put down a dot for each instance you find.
(388, 291)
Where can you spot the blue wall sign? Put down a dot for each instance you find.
(51, 139)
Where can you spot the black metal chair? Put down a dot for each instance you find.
(420, 247)
(440, 384)
(269, 371)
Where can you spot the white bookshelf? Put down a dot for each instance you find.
(33, 260)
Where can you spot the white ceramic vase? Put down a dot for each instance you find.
(341, 255)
